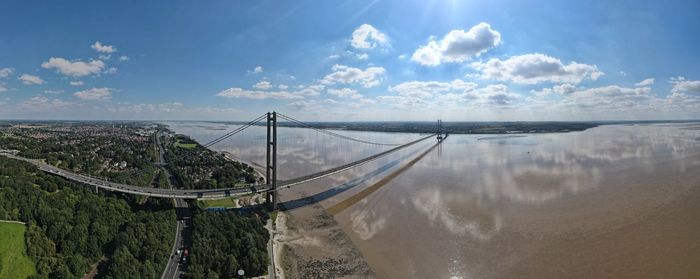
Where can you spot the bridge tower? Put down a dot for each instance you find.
(271, 169)
(439, 130)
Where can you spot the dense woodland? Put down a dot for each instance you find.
(224, 242)
(201, 168)
(70, 227)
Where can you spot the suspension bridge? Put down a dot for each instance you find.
(271, 185)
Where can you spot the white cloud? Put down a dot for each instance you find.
(300, 93)
(498, 94)
(263, 85)
(76, 83)
(256, 70)
(53, 91)
(402, 57)
(6, 72)
(682, 85)
(646, 82)
(111, 70)
(535, 68)
(2, 87)
(610, 97)
(94, 94)
(99, 47)
(105, 56)
(282, 86)
(367, 37)
(75, 69)
(345, 92)
(256, 94)
(426, 89)
(369, 77)
(562, 89)
(41, 102)
(333, 56)
(30, 79)
(124, 58)
(314, 105)
(458, 46)
(362, 56)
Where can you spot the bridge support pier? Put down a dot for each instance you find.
(271, 169)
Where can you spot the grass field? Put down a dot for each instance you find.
(185, 145)
(226, 202)
(14, 262)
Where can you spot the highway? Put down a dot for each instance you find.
(173, 268)
(138, 190)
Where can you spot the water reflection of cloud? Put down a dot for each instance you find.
(366, 223)
(480, 224)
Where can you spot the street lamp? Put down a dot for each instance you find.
(241, 273)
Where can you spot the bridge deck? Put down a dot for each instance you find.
(200, 194)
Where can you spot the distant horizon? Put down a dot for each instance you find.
(353, 121)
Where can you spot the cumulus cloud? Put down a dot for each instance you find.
(6, 72)
(124, 58)
(362, 56)
(561, 89)
(75, 69)
(426, 89)
(682, 85)
(345, 92)
(76, 83)
(368, 37)
(238, 92)
(99, 47)
(497, 94)
(94, 94)
(458, 46)
(369, 77)
(30, 79)
(263, 85)
(646, 82)
(41, 102)
(256, 70)
(535, 68)
(610, 97)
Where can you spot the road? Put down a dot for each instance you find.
(173, 268)
(137, 190)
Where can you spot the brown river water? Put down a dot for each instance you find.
(615, 201)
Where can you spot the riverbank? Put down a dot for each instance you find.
(308, 241)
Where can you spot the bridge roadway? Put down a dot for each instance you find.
(206, 193)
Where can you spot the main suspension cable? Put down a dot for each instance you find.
(235, 131)
(334, 134)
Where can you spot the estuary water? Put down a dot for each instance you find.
(615, 201)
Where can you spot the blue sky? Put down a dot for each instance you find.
(350, 60)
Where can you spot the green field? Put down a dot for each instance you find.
(14, 262)
(185, 145)
(225, 202)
